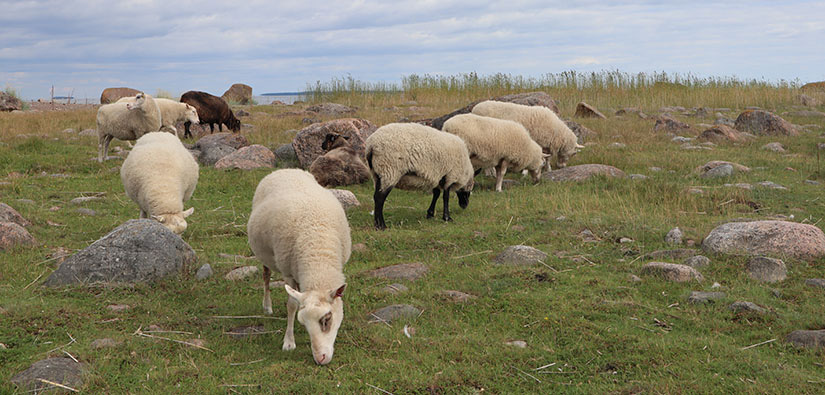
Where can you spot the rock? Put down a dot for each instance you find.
(631, 110)
(741, 185)
(725, 170)
(204, 272)
(672, 109)
(674, 236)
(617, 145)
(395, 289)
(807, 113)
(13, 235)
(111, 95)
(716, 163)
(456, 296)
(88, 133)
(695, 191)
(234, 140)
(516, 343)
(623, 240)
(775, 238)
(638, 177)
(680, 253)
(680, 139)
(241, 332)
(85, 211)
(582, 133)
(64, 371)
(815, 282)
(814, 86)
(238, 94)
(587, 236)
(697, 262)
(634, 278)
(520, 255)
(527, 99)
(814, 339)
(241, 113)
(667, 124)
(9, 102)
(140, 250)
(775, 147)
(722, 132)
(104, 343)
(771, 185)
(241, 273)
(672, 271)
(213, 153)
(331, 108)
(347, 198)
(404, 271)
(307, 142)
(698, 297)
(584, 110)
(247, 158)
(812, 182)
(806, 100)
(745, 307)
(285, 153)
(763, 123)
(583, 172)
(84, 199)
(393, 313)
(8, 214)
(117, 308)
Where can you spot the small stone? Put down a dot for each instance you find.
(771, 185)
(404, 271)
(654, 168)
(117, 308)
(724, 170)
(241, 332)
(634, 278)
(716, 286)
(766, 269)
(204, 272)
(774, 147)
(359, 247)
(588, 237)
(697, 262)
(241, 273)
(741, 185)
(617, 145)
(104, 343)
(698, 297)
(457, 296)
(637, 177)
(816, 282)
(85, 211)
(347, 198)
(394, 312)
(672, 272)
(745, 307)
(584, 110)
(695, 191)
(680, 139)
(84, 199)
(516, 343)
(520, 255)
(674, 236)
(395, 289)
(624, 240)
(813, 339)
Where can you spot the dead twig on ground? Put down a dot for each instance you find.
(758, 344)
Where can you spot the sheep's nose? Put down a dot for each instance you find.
(321, 359)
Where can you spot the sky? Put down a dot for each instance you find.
(275, 46)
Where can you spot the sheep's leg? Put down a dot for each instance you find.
(211, 128)
(143, 214)
(187, 133)
(289, 336)
(500, 171)
(446, 198)
(103, 147)
(378, 198)
(220, 127)
(267, 297)
(431, 210)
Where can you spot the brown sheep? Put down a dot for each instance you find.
(340, 165)
(212, 110)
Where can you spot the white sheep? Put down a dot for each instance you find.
(160, 175)
(497, 143)
(171, 112)
(299, 228)
(414, 156)
(126, 121)
(544, 126)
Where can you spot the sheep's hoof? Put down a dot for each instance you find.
(448, 219)
(288, 346)
(430, 215)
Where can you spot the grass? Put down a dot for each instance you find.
(602, 332)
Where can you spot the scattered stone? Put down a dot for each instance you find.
(617, 145)
(9, 102)
(330, 108)
(631, 110)
(285, 153)
(64, 371)
(241, 332)
(587, 236)
(665, 123)
(8, 214)
(634, 278)
(776, 238)
(763, 123)
(680, 253)
(140, 250)
(674, 236)
(815, 282)
(204, 272)
(698, 297)
(347, 198)
(807, 113)
(722, 132)
(716, 286)
(721, 171)
(405, 271)
(741, 185)
(234, 140)
(807, 101)
(697, 262)
(84, 199)
(623, 240)
(583, 172)
(395, 289)
(12, 235)
(745, 307)
(582, 133)
(813, 339)
(520, 255)
(584, 110)
(307, 142)
(104, 343)
(638, 177)
(695, 191)
(456, 296)
(655, 169)
(516, 343)
(812, 182)
(723, 120)
(716, 163)
(775, 147)
(393, 313)
(692, 147)
(771, 185)
(241, 273)
(247, 158)
(680, 139)
(672, 271)
(117, 308)
(85, 211)
(672, 109)
(238, 93)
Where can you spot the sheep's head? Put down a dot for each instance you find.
(191, 114)
(140, 98)
(464, 193)
(234, 124)
(566, 154)
(321, 313)
(174, 222)
(535, 168)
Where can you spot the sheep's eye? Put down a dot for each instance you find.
(325, 321)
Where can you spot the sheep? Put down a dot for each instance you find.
(414, 156)
(497, 143)
(126, 121)
(211, 110)
(171, 112)
(340, 165)
(160, 175)
(544, 126)
(299, 228)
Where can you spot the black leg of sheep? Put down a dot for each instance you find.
(379, 197)
(446, 198)
(431, 210)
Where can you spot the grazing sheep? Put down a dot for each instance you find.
(126, 121)
(160, 175)
(497, 143)
(340, 165)
(413, 156)
(544, 126)
(299, 228)
(171, 112)
(211, 110)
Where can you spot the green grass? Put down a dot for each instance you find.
(603, 332)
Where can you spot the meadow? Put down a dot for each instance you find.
(588, 327)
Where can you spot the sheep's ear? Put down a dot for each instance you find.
(293, 293)
(158, 218)
(579, 146)
(188, 212)
(338, 292)
(546, 156)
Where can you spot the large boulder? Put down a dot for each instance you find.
(140, 250)
(8, 214)
(520, 255)
(9, 102)
(583, 172)
(581, 132)
(404, 271)
(584, 110)
(238, 94)
(813, 339)
(248, 158)
(111, 95)
(307, 142)
(772, 238)
(763, 123)
(60, 370)
(13, 235)
(527, 99)
(213, 147)
(814, 86)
